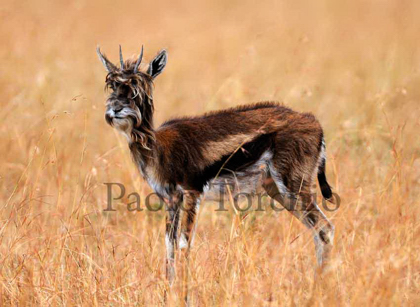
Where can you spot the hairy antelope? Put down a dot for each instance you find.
(181, 157)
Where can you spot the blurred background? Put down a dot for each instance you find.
(354, 64)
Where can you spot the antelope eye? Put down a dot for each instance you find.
(111, 85)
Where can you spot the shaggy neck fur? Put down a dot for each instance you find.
(143, 141)
(141, 138)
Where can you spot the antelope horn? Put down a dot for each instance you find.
(108, 65)
(121, 59)
(138, 61)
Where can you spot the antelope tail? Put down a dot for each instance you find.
(322, 179)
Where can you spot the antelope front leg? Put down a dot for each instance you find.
(171, 242)
(188, 222)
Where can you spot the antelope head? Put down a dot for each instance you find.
(129, 107)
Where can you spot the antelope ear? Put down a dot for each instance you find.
(157, 65)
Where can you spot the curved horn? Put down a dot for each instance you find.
(108, 65)
(139, 60)
(121, 59)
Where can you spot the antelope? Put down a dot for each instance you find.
(181, 157)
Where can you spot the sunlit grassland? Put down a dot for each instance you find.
(354, 64)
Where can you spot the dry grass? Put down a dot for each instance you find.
(354, 64)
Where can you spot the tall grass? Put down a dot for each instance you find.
(354, 64)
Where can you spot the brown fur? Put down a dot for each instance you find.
(181, 157)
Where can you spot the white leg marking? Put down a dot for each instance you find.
(169, 247)
(183, 241)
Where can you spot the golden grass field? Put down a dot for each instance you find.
(354, 64)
